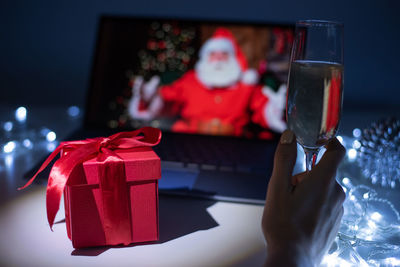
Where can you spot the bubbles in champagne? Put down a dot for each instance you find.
(314, 101)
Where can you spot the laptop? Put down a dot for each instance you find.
(204, 84)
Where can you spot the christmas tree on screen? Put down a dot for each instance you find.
(169, 52)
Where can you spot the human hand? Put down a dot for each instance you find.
(302, 213)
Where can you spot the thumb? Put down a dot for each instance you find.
(285, 159)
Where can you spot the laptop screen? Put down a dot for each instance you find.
(199, 77)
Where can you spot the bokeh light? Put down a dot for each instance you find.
(8, 126)
(9, 147)
(73, 111)
(27, 143)
(352, 154)
(20, 114)
(51, 136)
(356, 133)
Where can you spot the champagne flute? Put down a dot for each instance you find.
(314, 97)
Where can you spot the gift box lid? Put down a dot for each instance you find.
(141, 164)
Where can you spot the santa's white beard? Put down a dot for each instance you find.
(218, 74)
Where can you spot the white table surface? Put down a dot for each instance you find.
(192, 233)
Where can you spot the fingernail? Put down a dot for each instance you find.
(287, 137)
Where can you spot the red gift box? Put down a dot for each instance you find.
(110, 188)
(85, 213)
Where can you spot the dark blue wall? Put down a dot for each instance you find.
(46, 46)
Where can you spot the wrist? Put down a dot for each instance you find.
(288, 256)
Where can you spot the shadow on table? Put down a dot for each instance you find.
(178, 216)
(181, 216)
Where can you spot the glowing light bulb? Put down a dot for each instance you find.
(27, 143)
(51, 136)
(51, 146)
(9, 147)
(366, 195)
(376, 216)
(356, 133)
(392, 261)
(331, 260)
(73, 111)
(356, 144)
(352, 154)
(20, 114)
(8, 126)
(346, 181)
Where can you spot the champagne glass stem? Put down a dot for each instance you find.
(311, 158)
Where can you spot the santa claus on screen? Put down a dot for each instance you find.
(220, 96)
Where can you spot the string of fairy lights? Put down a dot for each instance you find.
(369, 234)
(18, 137)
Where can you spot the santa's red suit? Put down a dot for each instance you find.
(216, 111)
(220, 96)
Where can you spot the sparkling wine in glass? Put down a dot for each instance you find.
(315, 86)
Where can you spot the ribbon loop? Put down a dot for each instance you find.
(105, 142)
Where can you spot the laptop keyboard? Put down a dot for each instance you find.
(215, 153)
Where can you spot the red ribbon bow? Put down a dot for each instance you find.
(100, 148)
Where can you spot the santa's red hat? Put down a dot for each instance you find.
(223, 40)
